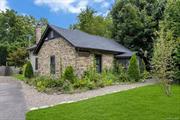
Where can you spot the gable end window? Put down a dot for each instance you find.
(51, 35)
(52, 65)
(36, 64)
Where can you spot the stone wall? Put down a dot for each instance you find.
(66, 55)
(32, 58)
(107, 61)
(83, 62)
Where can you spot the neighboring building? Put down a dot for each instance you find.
(58, 48)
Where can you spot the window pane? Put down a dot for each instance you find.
(36, 64)
(98, 63)
(52, 65)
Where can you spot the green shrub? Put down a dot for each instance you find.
(43, 83)
(91, 74)
(28, 70)
(67, 86)
(108, 77)
(91, 85)
(69, 74)
(80, 83)
(145, 75)
(121, 74)
(133, 70)
(41, 87)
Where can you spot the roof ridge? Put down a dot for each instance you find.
(76, 37)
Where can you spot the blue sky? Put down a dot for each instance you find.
(58, 12)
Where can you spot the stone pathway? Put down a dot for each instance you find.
(12, 102)
(36, 100)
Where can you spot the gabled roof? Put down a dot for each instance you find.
(83, 40)
(124, 55)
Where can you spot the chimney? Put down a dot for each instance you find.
(38, 32)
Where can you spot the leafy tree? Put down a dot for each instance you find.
(177, 62)
(28, 70)
(171, 22)
(18, 57)
(3, 55)
(162, 58)
(15, 31)
(91, 23)
(133, 70)
(135, 23)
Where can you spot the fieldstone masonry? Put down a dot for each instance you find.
(66, 55)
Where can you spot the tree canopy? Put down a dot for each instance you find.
(90, 22)
(16, 32)
(135, 23)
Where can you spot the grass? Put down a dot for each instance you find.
(145, 103)
(19, 77)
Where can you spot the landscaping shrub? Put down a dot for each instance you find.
(133, 70)
(121, 74)
(67, 86)
(69, 81)
(91, 74)
(69, 74)
(108, 77)
(28, 70)
(80, 83)
(93, 78)
(43, 83)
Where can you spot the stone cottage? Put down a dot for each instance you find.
(58, 48)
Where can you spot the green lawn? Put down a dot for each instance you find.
(145, 103)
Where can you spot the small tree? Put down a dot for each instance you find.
(162, 58)
(28, 70)
(18, 57)
(69, 74)
(133, 70)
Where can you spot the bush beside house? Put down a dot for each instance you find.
(133, 70)
(69, 82)
(28, 70)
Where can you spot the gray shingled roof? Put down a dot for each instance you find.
(125, 55)
(83, 40)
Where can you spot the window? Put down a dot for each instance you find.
(98, 59)
(52, 65)
(36, 64)
(51, 35)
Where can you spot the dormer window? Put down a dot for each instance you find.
(51, 35)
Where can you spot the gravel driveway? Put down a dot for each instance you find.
(12, 102)
(35, 100)
(17, 97)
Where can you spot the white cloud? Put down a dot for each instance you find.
(105, 4)
(3, 5)
(99, 1)
(71, 6)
